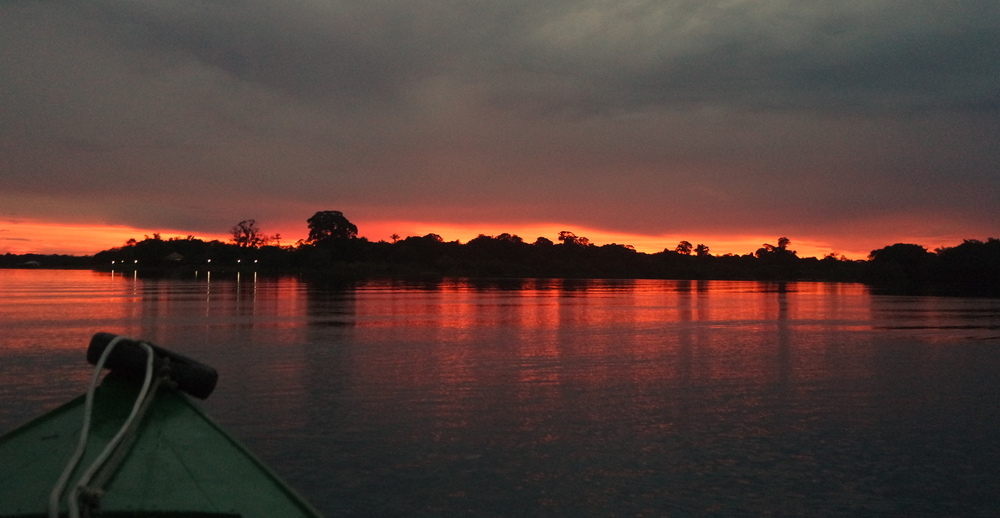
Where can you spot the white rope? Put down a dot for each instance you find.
(72, 498)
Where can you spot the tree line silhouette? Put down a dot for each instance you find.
(333, 247)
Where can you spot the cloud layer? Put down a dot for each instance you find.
(807, 118)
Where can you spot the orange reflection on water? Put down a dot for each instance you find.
(56, 309)
(550, 344)
(442, 348)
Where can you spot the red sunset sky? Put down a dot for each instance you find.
(843, 127)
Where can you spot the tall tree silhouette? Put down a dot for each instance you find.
(329, 226)
(246, 234)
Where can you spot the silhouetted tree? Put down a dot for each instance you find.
(330, 226)
(683, 248)
(900, 253)
(701, 250)
(899, 263)
(246, 234)
(769, 251)
(972, 263)
(777, 262)
(511, 238)
(571, 239)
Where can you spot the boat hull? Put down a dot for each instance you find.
(180, 464)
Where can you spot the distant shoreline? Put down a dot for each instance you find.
(972, 267)
(360, 273)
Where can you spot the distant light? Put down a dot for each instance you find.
(209, 260)
(136, 261)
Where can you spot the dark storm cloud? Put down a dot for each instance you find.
(588, 55)
(584, 56)
(621, 114)
(300, 49)
(881, 56)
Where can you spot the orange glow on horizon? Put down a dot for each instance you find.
(23, 237)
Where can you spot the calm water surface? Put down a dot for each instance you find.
(558, 398)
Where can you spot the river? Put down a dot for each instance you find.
(557, 397)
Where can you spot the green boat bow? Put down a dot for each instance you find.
(178, 462)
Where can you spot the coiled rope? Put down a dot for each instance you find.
(72, 499)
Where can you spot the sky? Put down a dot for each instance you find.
(846, 126)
